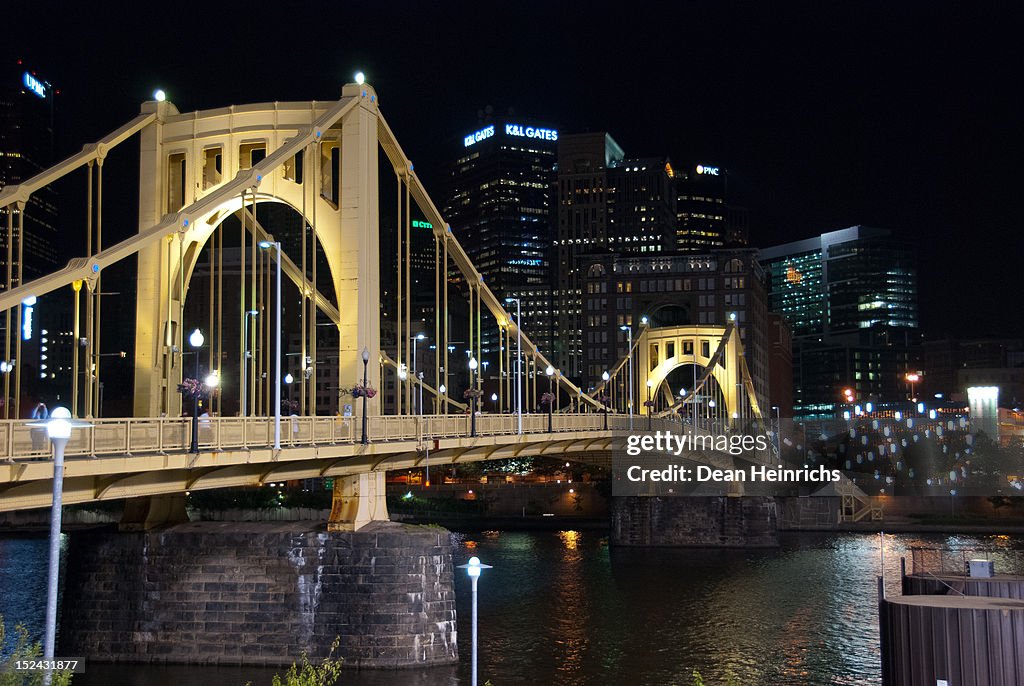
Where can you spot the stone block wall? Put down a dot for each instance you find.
(715, 521)
(243, 593)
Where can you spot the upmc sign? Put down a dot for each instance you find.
(34, 84)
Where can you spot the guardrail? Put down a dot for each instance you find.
(128, 436)
(954, 562)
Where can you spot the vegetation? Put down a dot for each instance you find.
(24, 650)
(730, 680)
(305, 673)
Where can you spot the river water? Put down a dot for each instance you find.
(561, 607)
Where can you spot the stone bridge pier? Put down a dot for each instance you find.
(235, 592)
(703, 521)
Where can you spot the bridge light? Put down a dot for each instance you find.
(732, 316)
(288, 378)
(266, 244)
(442, 389)
(644, 320)
(360, 78)
(604, 376)
(472, 363)
(196, 339)
(159, 95)
(550, 370)
(212, 380)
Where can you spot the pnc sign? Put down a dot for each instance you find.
(704, 169)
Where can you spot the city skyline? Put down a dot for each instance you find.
(824, 118)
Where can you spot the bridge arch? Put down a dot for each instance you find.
(330, 182)
(662, 350)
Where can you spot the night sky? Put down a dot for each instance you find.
(904, 115)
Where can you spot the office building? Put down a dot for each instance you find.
(499, 209)
(26, 148)
(850, 298)
(673, 289)
(705, 218)
(606, 201)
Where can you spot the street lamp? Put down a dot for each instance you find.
(519, 365)
(648, 404)
(265, 245)
(472, 397)
(629, 348)
(604, 377)
(550, 371)
(416, 339)
(473, 569)
(366, 360)
(494, 399)
(196, 340)
(912, 378)
(441, 390)
(245, 360)
(58, 428)
(288, 379)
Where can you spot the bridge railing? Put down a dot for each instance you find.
(131, 436)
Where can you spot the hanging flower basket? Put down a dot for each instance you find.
(603, 399)
(192, 388)
(648, 403)
(547, 399)
(361, 391)
(472, 393)
(289, 406)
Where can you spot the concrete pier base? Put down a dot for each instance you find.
(260, 593)
(714, 521)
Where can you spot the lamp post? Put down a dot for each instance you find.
(415, 340)
(494, 399)
(550, 371)
(472, 397)
(441, 390)
(473, 569)
(648, 404)
(58, 428)
(245, 362)
(196, 340)
(912, 378)
(366, 360)
(277, 357)
(519, 365)
(629, 348)
(288, 379)
(604, 393)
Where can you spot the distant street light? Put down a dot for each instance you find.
(629, 349)
(472, 397)
(473, 569)
(366, 360)
(196, 340)
(550, 371)
(266, 245)
(605, 377)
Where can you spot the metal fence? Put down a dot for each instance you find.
(955, 561)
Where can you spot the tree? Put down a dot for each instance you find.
(24, 650)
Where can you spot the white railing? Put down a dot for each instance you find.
(136, 436)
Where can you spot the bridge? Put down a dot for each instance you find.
(209, 258)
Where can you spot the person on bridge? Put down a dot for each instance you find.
(39, 412)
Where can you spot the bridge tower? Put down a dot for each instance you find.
(183, 159)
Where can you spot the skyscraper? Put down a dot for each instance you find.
(705, 219)
(850, 297)
(499, 205)
(26, 148)
(606, 202)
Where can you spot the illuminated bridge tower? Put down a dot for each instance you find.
(501, 192)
